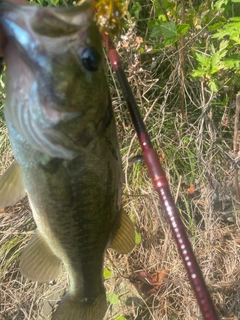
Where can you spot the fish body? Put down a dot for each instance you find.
(63, 135)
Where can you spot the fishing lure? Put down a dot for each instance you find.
(109, 14)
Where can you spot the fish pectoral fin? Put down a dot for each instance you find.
(123, 238)
(38, 262)
(75, 308)
(11, 186)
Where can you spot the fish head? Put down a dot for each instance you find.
(57, 92)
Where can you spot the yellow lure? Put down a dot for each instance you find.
(109, 15)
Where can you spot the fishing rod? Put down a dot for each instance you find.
(161, 185)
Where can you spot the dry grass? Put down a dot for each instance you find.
(194, 150)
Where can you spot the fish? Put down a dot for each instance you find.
(62, 132)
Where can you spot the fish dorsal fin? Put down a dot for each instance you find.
(123, 237)
(38, 262)
(11, 186)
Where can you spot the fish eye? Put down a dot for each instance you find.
(90, 59)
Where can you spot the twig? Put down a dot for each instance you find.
(182, 63)
(178, 188)
(236, 145)
(163, 10)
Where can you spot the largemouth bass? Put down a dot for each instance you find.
(63, 135)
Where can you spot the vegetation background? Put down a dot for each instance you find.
(182, 59)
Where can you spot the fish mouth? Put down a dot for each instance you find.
(63, 20)
(36, 107)
(26, 25)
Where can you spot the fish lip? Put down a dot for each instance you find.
(65, 14)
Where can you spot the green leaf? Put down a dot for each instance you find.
(106, 273)
(237, 19)
(156, 32)
(182, 29)
(230, 29)
(138, 237)
(120, 318)
(220, 3)
(216, 26)
(169, 29)
(233, 62)
(223, 45)
(213, 86)
(136, 9)
(169, 42)
(112, 298)
(203, 59)
(198, 73)
(152, 23)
